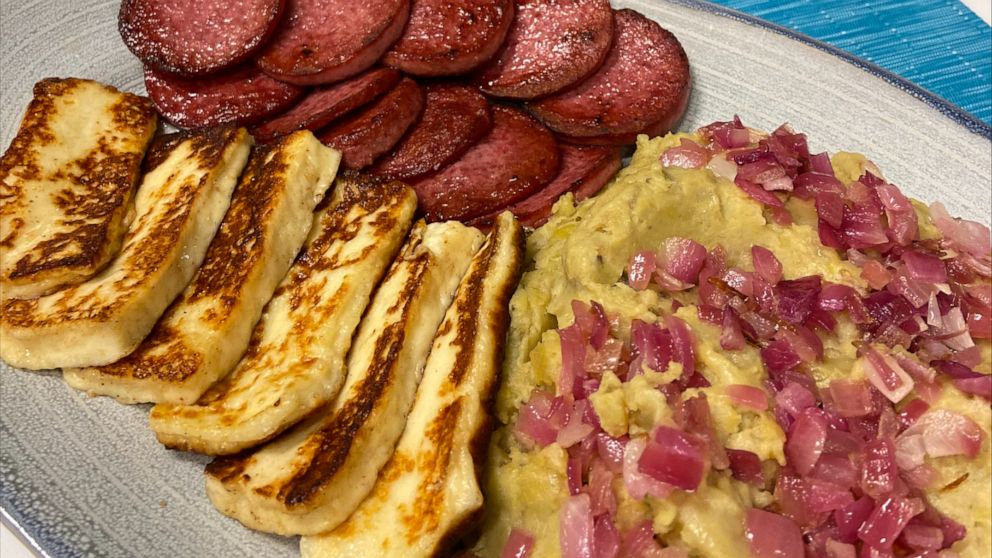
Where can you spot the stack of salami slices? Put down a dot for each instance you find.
(480, 105)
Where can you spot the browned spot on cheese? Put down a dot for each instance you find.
(424, 514)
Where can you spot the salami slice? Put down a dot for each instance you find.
(448, 37)
(241, 96)
(195, 37)
(517, 157)
(367, 134)
(552, 45)
(323, 105)
(454, 118)
(323, 41)
(643, 85)
(584, 171)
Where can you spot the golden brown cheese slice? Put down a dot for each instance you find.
(66, 184)
(181, 202)
(206, 330)
(428, 493)
(312, 478)
(296, 358)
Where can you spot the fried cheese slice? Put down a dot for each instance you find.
(67, 182)
(295, 361)
(179, 206)
(206, 330)
(310, 480)
(428, 493)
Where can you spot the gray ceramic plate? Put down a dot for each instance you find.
(85, 476)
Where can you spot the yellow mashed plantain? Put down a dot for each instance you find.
(581, 254)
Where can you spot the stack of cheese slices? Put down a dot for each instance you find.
(337, 357)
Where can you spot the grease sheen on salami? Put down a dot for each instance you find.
(370, 132)
(551, 45)
(194, 37)
(517, 157)
(321, 106)
(642, 86)
(448, 37)
(241, 96)
(323, 41)
(454, 118)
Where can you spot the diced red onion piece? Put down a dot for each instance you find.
(924, 267)
(592, 322)
(535, 422)
(639, 542)
(575, 534)
(751, 397)
(953, 331)
(766, 264)
(683, 341)
(746, 466)
(768, 199)
(673, 459)
(902, 222)
(780, 184)
(888, 519)
(850, 518)
(820, 162)
(606, 538)
(876, 274)
(640, 269)
(795, 399)
(723, 168)
(731, 335)
(683, 258)
(575, 429)
(772, 536)
(833, 297)
(851, 398)
(946, 433)
(826, 496)
(805, 441)
(687, 155)
(981, 386)
(879, 472)
(922, 537)
(610, 451)
(797, 298)
(573, 357)
(637, 483)
(886, 375)
(518, 544)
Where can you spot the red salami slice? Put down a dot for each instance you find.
(323, 41)
(323, 105)
(454, 118)
(643, 85)
(241, 96)
(448, 37)
(584, 171)
(517, 157)
(195, 37)
(367, 134)
(552, 45)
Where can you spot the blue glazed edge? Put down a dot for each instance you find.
(29, 531)
(945, 107)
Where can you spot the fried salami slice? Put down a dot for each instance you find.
(195, 37)
(584, 171)
(642, 86)
(323, 105)
(455, 118)
(552, 45)
(323, 41)
(241, 96)
(448, 37)
(517, 157)
(367, 134)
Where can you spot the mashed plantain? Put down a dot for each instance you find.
(581, 254)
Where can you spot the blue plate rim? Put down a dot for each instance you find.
(957, 114)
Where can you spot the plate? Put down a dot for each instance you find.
(85, 476)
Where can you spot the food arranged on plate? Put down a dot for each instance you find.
(731, 346)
